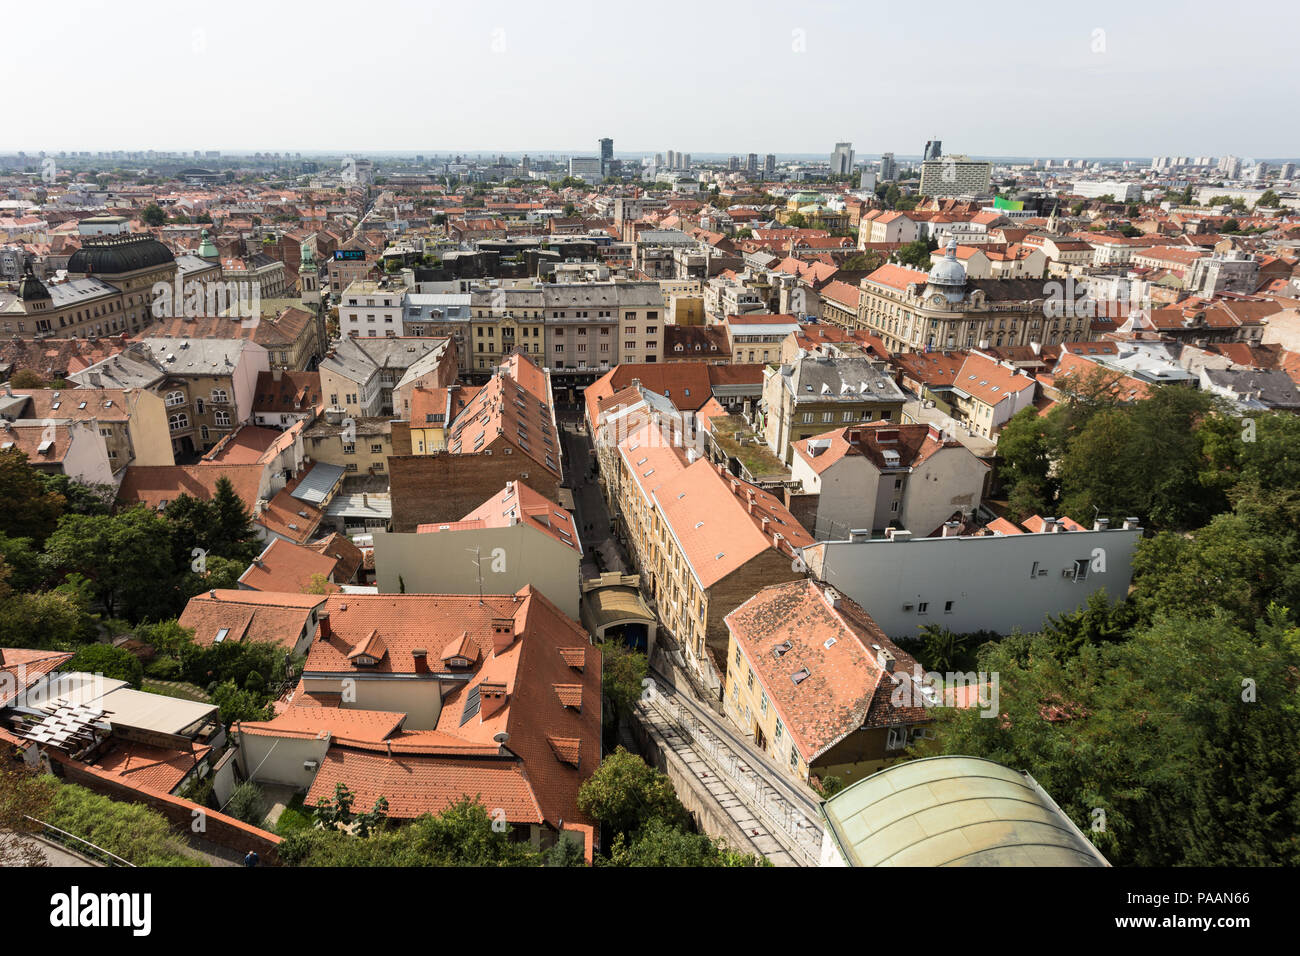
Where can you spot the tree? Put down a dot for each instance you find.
(1268, 200)
(339, 816)
(868, 261)
(1231, 225)
(153, 215)
(659, 844)
(625, 792)
(915, 254)
(28, 509)
(233, 524)
(26, 378)
(79, 498)
(115, 663)
(797, 220)
(127, 557)
(621, 680)
(1025, 448)
(247, 803)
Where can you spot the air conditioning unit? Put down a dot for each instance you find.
(310, 765)
(907, 607)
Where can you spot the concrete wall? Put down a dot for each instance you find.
(280, 759)
(419, 698)
(949, 480)
(987, 579)
(151, 441)
(509, 558)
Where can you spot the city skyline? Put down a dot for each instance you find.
(1092, 73)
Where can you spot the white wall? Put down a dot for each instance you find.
(987, 579)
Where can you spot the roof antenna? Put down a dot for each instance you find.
(478, 565)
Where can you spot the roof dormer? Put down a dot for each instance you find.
(369, 651)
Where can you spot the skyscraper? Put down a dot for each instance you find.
(842, 159)
(933, 150)
(769, 165)
(751, 164)
(672, 159)
(606, 154)
(888, 168)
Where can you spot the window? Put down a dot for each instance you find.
(947, 607)
(175, 398)
(794, 757)
(349, 448)
(377, 449)
(750, 683)
(923, 607)
(807, 418)
(219, 396)
(178, 422)
(221, 417)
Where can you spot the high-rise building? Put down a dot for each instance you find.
(606, 154)
(659, 159)
(842, 159)
(888, 168)
(956, 176)
(1287, 171)
(733, 164)
(686, 160)
(586, 168)
(751, 164)
(933, 150)
(769, 165)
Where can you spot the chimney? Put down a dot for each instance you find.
(1049, 525)
(860, 534)
(503, 633)
(492, 697)
(421, 657)
(765, 522)
(1101, 524)
(1059, 526)
(1131, 523)
(325, 632)
(277, 374)
(213, 594)
(900, 535)
(951, 528)
(884, 659)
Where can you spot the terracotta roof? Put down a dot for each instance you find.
(516, 503)
(140, 765)
(685, 384)
(871, 440)
(295, 392)
(513, 407)
(274, 617)
(347, 556)
(801, 629)
(154, 485)
(284, 566)
(23, 667)
(897, 277)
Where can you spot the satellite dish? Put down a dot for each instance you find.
(501, 738)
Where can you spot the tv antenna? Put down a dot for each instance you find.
(478, 567)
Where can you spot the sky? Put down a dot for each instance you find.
(1115, 79)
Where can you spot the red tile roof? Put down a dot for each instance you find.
(516, 503)
(284, 566)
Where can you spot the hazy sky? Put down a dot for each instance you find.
(1131, 78)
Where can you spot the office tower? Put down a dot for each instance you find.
(955, 176)
(672, 159)
(888, 168)
(606, 154)
(686, 160)
(733, 163)
(1261, 172)
(659, 159)
(1287, 171)
(842, 159)
(933, 150)
(751, 164)
(769, 165)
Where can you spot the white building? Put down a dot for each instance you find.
(372, 310)
(975, 583)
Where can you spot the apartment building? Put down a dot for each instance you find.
(816, 392)
(370, 309)
(874, 476)
(757, 339)
(75, 449)
(702, 540)
(812, 680)
(360, 375)
(132, 421)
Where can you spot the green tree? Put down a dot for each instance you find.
(623, 671)
(625, 792)
(1025, 448)
(659, 844)
(1268, 200)
(247, 803)
(78, 498)
(915, 254)
(127, 557)
(28, 509)
(115, 663)
(153, 215)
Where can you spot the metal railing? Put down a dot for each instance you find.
(76, 844)
(789, 816)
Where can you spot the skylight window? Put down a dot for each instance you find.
(801, 675)
(221, 635)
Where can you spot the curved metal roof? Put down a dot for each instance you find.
(954, 811)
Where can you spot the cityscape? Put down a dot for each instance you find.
(834, 500)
